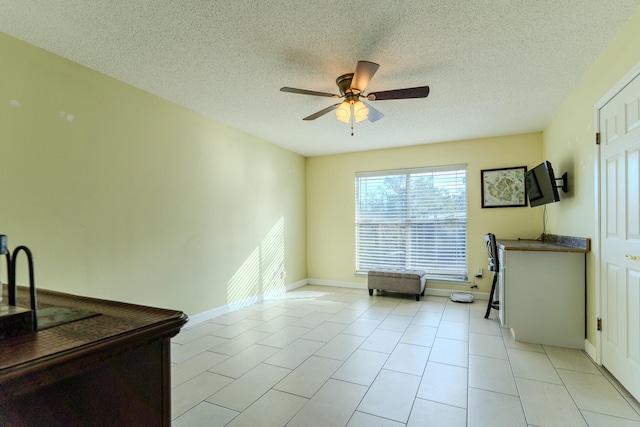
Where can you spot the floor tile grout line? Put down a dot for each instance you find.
(574, 399)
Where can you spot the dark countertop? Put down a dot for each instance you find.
(551, 243)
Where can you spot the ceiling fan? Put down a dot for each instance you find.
(351, 87)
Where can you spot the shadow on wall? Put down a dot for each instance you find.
(262, 274)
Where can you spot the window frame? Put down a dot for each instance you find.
(461, 269)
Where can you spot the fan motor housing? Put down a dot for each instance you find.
(344, 83)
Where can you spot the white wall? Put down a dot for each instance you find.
(569, 143)
(125, 196)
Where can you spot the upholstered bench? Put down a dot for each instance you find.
(406, 281)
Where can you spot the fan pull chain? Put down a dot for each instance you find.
(352, 117)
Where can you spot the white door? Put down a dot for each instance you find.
(620, 235)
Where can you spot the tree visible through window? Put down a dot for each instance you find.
(413, 219)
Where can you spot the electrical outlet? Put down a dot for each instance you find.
(479, 273)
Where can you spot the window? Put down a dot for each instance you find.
(413, 219)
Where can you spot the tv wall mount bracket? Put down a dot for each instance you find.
(565, 182)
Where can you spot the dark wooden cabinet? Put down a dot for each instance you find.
(112, 368)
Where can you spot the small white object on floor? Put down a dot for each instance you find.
(462, 297)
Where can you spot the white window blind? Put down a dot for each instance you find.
(413, 219)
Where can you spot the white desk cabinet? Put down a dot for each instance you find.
(542, 293)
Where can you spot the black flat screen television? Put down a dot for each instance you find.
(541, 186)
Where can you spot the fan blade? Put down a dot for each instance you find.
(308, 92)
(364, 72)
(321, 112)
(374, 115)
(411, 92)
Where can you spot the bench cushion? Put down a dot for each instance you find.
(407, 281)
(398, 274)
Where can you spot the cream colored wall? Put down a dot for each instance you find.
(125, 196)
(331, 200)
(569, 143)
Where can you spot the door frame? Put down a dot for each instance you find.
(596, 353)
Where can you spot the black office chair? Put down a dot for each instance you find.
(494, 265)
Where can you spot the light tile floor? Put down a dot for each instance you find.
(325, 356)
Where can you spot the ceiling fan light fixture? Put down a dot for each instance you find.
(343, 113)
(361, 112)
(351, 87)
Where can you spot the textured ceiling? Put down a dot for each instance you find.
(495, 67)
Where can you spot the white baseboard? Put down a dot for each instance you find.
(591, 351)
(338, 284)
(196, 319)
(482, 296)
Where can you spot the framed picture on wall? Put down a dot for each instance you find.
(503, 188)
